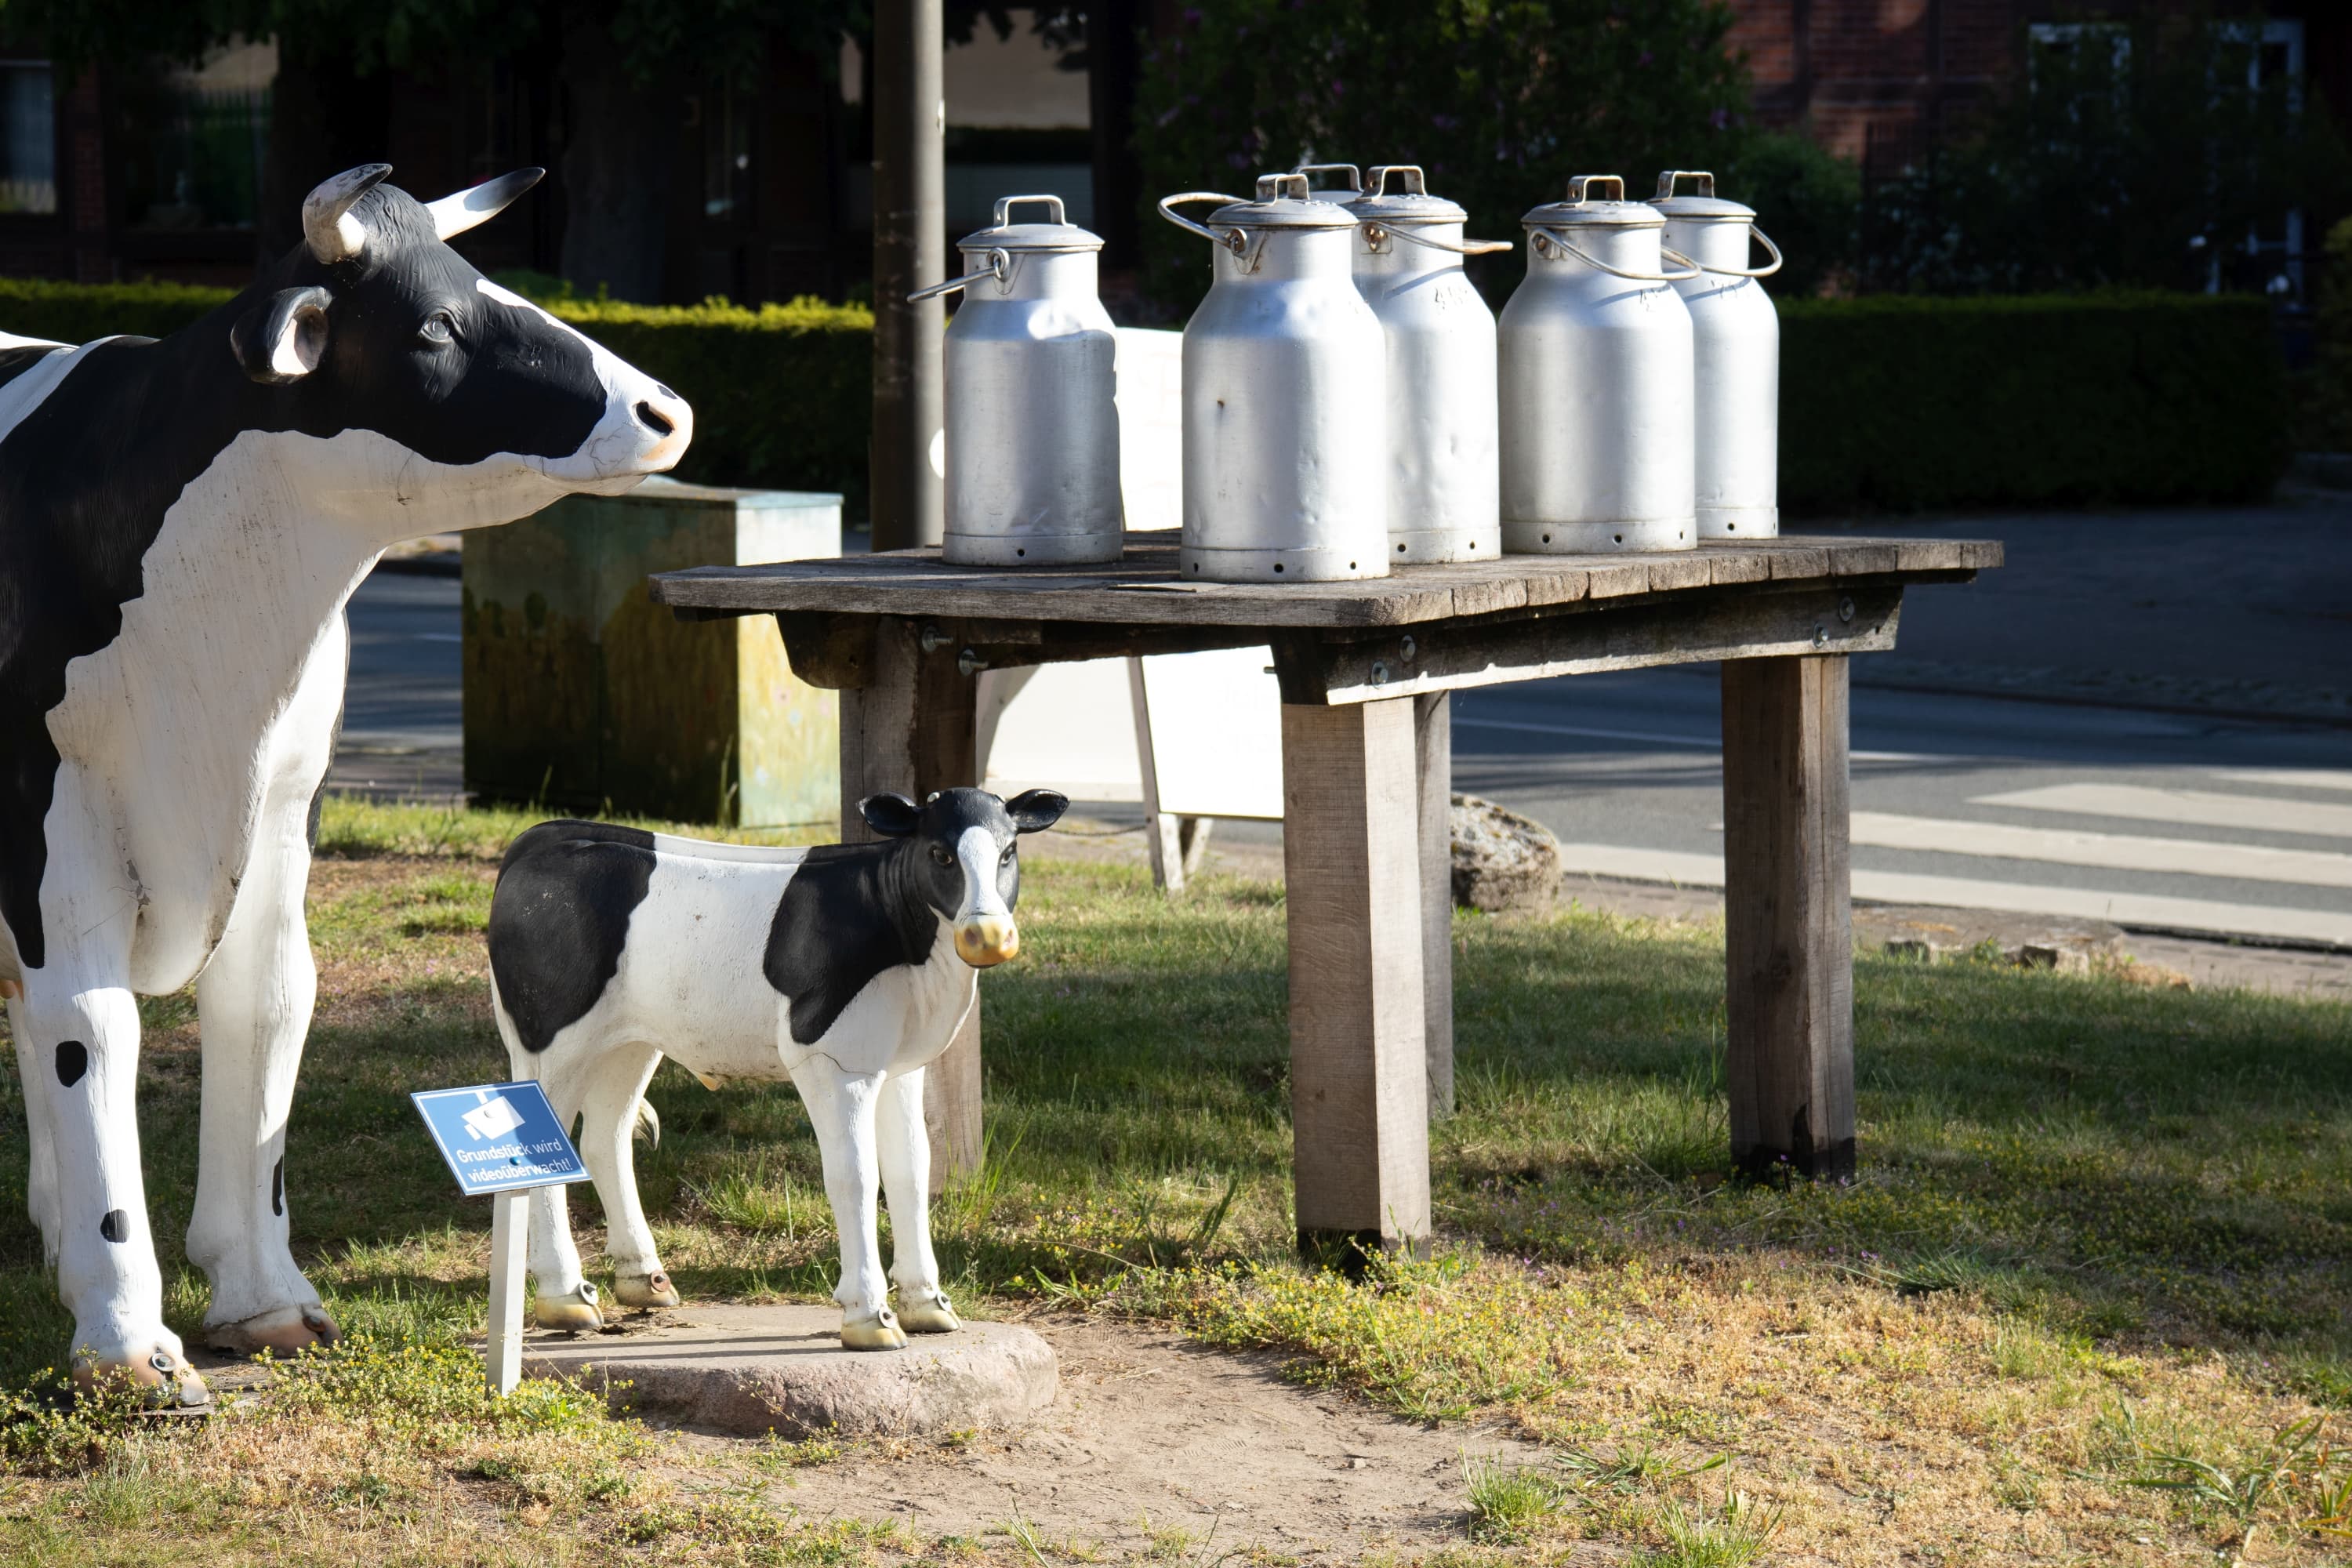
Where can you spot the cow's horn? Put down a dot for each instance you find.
(453, 215)
(335, 235)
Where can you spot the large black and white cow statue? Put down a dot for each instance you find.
(847, 968)
(181, 524)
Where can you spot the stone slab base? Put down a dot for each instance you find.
(755, 1369)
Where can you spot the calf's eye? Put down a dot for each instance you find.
(438, 328)
(941, 857)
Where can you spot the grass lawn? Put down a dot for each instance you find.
(2090, 1300)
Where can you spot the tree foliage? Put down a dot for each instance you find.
(1500, 100)
(2136, 156)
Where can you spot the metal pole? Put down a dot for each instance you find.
(909, 252)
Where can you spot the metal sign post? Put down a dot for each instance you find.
(502, 1139)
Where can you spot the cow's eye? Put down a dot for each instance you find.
(941, 857)
(1005, 859)
(438, 328)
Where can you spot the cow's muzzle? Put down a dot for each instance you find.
(984, 940)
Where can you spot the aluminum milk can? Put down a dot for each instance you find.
(1442, 465)
(1284, 367)
(1596, 382)
(1032, 430)
(1735, 360)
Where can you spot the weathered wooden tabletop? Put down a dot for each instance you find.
(1144, 589)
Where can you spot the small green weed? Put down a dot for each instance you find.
(1730, 1536)
(1507, 1501)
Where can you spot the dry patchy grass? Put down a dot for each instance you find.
(2087, 1302)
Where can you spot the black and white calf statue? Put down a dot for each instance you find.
(181, 524)
(847, 968)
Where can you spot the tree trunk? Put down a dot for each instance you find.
(618, 159)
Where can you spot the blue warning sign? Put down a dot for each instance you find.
(500, 1137)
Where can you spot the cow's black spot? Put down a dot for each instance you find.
(115, 1226)
(73, 1060)
(278, 1186)
(87, 475)
(559, 919)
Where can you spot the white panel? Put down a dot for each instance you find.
(1216, 731)
(1068, 727)
(1150, 427)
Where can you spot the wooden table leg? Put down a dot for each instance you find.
(1358, 1072)
(1788, 957)
(910, 729)
(1433, 761)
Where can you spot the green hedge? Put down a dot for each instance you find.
(780, 393)
(1895, 403)
(1905, 402)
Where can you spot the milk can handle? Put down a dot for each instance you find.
(1666, 178)
(1004, 208)
(1748, 271)
(1562, 241)
(1231, 241)
(1355, 177)
(1373, 231)
(1415, 184)
(1000, 264)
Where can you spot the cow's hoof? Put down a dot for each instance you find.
(283, 1332)
(928, 1312)
(878, 1332)
(644, 1289)
(575, 1313)
(164, 1380)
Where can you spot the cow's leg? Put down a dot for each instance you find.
(615, 1090)
(906, 1149)
(41, 1176)
(840, 1107)
(82, 1063)
(566, 1299)
(253, 1004)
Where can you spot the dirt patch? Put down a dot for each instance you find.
(1153, 1435)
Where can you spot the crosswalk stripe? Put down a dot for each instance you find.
(2202, 808)
(1696, 742)
(2142, 910)
(2290, 778)
(2111, 851)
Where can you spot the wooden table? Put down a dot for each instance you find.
(1365, 668)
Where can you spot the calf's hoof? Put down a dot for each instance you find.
(878, 1332)
(164, 1380)
(927, 1312)
(575, 1312)
(282, 1331)
(645, 1290)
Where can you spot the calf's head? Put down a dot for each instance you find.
(374, 323)
(963, 858)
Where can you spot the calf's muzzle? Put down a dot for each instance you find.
(984, 940)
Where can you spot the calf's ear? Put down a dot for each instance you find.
(283, 338)
(1035, 810)
(891, 816)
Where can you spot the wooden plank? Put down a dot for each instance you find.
(1143, 590)
(1788, 947)
(1433, 763)
(1861, 617)
(911, 728)
(1359, 1069)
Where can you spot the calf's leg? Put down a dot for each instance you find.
(841, 1106)
(614, 1087)
(253, 1004)
(565, 1298)
(41, 1177)
(906, 1149)
(78, 1032)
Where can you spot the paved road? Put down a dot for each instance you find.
(2174, 750)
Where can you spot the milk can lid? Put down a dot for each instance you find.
(1702, 208)
(1581, 210)
(1283, 201)
(1054, 235)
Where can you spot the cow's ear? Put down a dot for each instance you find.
(891, 816)
(1035, 810)
(284, 337)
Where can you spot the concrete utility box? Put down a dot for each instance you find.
(580, 691)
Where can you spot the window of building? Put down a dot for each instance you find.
(193, 142)
(28, 138)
